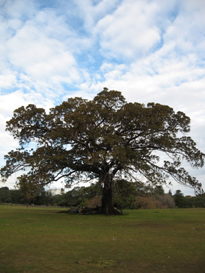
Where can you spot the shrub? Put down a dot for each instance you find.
(167, 200)
(95, 201)
(147, 203)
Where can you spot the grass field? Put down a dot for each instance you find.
(149, 241)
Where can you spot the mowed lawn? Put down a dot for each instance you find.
(42, 240)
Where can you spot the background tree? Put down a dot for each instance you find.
(79, 196)
(43, 198)
(106, 139)
(29, 188)
(179, 199)
(159, 190)
(124, 194)
(167, 200)
(5, 196)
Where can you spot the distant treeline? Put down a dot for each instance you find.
(125, 195)
(189, 201)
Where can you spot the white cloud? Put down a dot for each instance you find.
(14, 8)
(41, 57)
(129, 31)
(7, 79)
(38, 51)
(91, 13)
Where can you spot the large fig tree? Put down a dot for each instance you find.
(105, 139)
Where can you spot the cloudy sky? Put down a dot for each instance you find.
(151, 50)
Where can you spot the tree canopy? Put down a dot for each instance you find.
(105, 138)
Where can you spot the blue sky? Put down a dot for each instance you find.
(151, 50)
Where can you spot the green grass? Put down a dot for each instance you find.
(149, 241)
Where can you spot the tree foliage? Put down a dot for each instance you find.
(106, 139)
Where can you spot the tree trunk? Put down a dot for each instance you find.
(107, 204)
